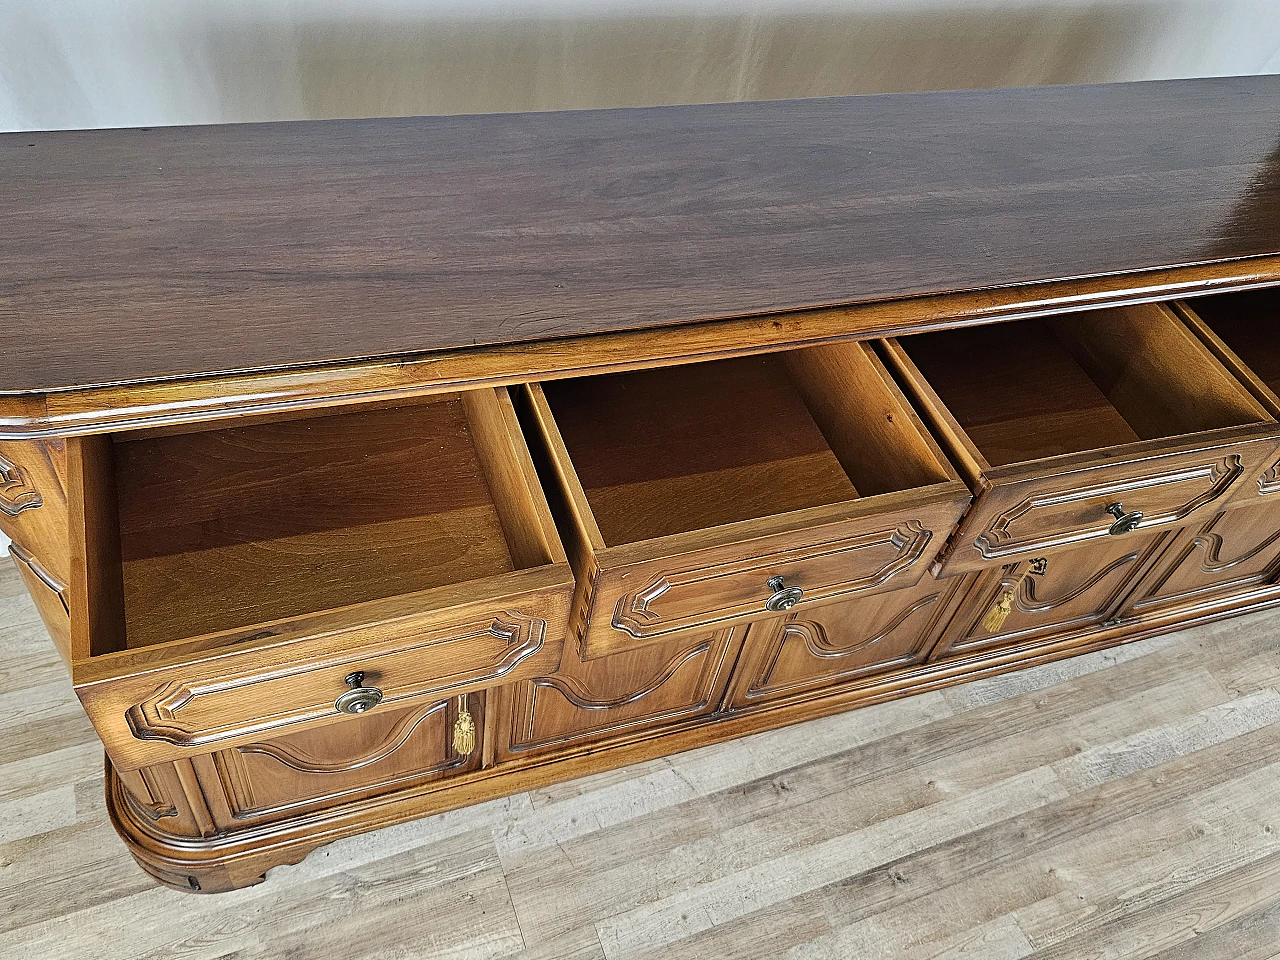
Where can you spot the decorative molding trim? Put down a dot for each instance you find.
(1029, 603)
(819, 645)
(1000, 539)
(159, 717)
(16, 492)
(307, 763)
(635, 615)
(1269, 482)
(572, 689)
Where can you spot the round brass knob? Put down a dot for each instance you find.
(1125, 522)
(784, 597)
(359, 698)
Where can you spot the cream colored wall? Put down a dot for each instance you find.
(90, 63)
(78, 63)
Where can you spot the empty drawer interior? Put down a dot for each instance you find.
(1040, 388)
(1248, 323)
(682, 448)
(221, 529)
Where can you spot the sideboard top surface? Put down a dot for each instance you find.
(142, 256)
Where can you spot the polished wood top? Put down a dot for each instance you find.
(138, 255)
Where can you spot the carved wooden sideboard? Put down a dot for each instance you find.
(366, 469)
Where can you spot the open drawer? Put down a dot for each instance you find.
(697, 496)
(1080, 427)
(230, 585)
(1243, 331)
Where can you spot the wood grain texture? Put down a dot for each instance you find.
(139, 255)
(1117, 804)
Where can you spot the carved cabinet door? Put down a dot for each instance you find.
(1071, 591)
(1232, 554)
(377, 752)
(620, 696)
(839, 645)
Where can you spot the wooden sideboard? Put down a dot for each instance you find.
(361, 470)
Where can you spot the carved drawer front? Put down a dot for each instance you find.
(33, 501)
(1231, 554)
(341, 763)
(1084, 427)
(1022, 516)
(180, 712)
(715, 493)
(839, 645)
(622, 696)
(884, 553)
(1069, 592)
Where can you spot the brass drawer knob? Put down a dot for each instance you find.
(359, 698)
(1125, 522)
(784, 597)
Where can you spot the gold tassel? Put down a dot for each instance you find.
(464, 730)
(1000, 611)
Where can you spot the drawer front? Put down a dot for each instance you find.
(180, 711)
(622, 696)
(709, 589)
(837, 645)
(340, 763)
(1079, 590)
(33, 502)
(1231, 554)
(1020, 516)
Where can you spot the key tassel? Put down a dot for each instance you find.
(1000, 611)
(464, 730)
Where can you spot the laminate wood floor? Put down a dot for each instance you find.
(1122, 804)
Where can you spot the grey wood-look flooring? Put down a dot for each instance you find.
(1122, 804)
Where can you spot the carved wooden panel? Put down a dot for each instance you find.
(1080, 589)
(621, 695)
(207, 709)
(33, 502)
(367, 755)
(1232, 553)
(1028, 511)
(838, 644)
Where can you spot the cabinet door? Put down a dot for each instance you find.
(1079, 590)
(1230, 554)
(839, 644)
(619, 696)
(340, 763)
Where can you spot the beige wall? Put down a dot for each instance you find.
(78, 63)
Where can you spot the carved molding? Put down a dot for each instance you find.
(1269, 482)
(16, 492)
(1212, 544)
(303, 762)
(1001, 538)
(159, 717)
(634, 612)
(1029, 603)
(526, 699)
(155, 808)
(819, 645)
(573, 690)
